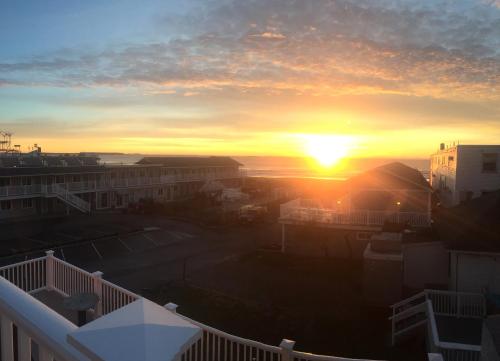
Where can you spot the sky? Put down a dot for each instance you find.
(256, 77)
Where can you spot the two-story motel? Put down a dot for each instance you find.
(37, 184)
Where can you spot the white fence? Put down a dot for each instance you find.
(459, 304)
(30, 276)
(293, 211)
(67, 279)
(217, 345)
(38, 325)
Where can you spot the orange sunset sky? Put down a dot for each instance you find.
(258, 77)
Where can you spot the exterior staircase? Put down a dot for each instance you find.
(414, 311)
(408, 314)
(67, 197)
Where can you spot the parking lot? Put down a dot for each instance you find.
(135, 251)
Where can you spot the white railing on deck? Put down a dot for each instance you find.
(57, 275)
(28, 276)
(295, 212)
(114, 297)
(36, 324)
(460, 304)
(217, 345)
(451, 351)
(69, 279)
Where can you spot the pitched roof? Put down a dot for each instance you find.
(471, 226)
(46, 160)
(142, 330)
(390, 176)
(28, 171)
(191, 161)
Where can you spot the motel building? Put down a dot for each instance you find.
(37, 184)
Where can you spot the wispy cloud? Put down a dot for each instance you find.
(439, 48)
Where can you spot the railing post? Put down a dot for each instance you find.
(44, 354)
(7, 341)
(49, 270)
(459, 304)
(97, 289)
(287, 349)
(23, 345)
(393, 326)
(172, 307)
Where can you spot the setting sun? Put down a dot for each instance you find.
(328, 150)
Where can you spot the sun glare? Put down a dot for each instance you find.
(328, 150)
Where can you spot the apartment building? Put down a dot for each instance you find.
(37, 184)
(462, 172)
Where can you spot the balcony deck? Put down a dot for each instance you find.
(54, 300)
(459, 329)
(296, 212)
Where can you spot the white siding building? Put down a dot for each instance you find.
(463, 172)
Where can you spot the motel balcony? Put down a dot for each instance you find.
(122, 326)
(304, 211)
(21, 191)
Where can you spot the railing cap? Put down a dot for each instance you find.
(49, 253)
(171, 306)
(97, 274)
(287, 344)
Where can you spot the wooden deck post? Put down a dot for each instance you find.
(49, 270)
(7, 341)
(287, 349)
(97, 289)
(23, 345)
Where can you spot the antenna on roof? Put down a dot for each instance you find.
(6, 142)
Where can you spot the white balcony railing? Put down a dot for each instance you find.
(108, 184)
(40, 325)
(294, 211)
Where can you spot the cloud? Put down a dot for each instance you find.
(326, 47)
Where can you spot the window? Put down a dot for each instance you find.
(4, 182)
(5, 205)
(490, 162)
(104, 200)
(28, 203)
(119, 200)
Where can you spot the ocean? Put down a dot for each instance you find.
(293, 167)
